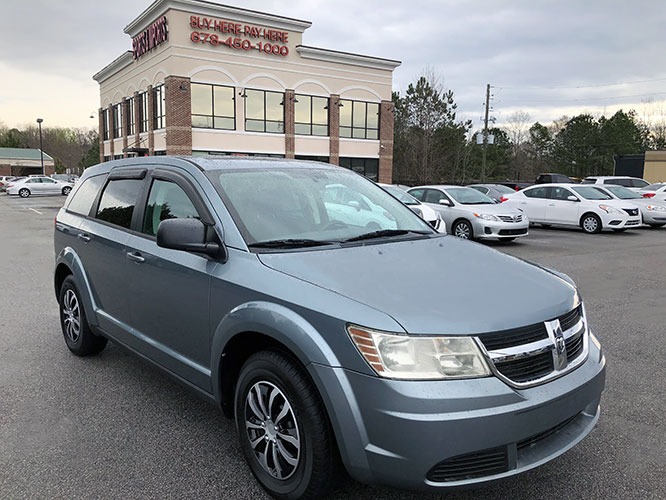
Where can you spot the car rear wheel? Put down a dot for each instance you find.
(590, 223)
(78, 336)
(463, 229)
(283, 428)
(24, 192)
(66, 190)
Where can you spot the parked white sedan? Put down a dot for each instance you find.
(656, 192)
(652, 212)
(574, 205)
(38, 185)
(431, 216)
(470, 214)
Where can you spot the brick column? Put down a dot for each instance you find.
(100, 124)
(125, 124)
(151, 113)
(137, 126)
(334, 129)
(178, 115)
(289, 125)
(386, 142)
(112, 126)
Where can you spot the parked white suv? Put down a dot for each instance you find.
(633, 183)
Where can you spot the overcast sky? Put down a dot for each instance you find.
(546, 58)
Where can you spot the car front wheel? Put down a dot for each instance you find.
(24, 192)
(78, 336)
(283, 428)
(463, 229)
(591, 223)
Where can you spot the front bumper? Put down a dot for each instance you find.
(653, 216)
(412, 435)
(611, 221)
(497, 229)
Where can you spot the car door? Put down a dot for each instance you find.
(533, 202)
(101, 239)
(168, 290)
(561, 210)
(49, 186)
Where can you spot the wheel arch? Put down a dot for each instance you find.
(68, 263)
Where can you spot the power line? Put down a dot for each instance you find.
(555, 100)
(502, 87)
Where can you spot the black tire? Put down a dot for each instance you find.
(463, 229)
(78, 336)
(66, 190)
(299, 452)
(590, 223)
(621, 230)
(24, 193)
(656, 226)
(545, 226)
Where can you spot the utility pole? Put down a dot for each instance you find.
(485, 135)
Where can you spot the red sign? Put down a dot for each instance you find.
(150, 38)
(240, 36)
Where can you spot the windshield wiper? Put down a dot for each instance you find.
(290, 243)
(383, 233)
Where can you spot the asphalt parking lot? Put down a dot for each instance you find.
(114, 427)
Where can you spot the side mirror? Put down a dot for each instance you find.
(572, 198)
(445, 202)
(188, 235)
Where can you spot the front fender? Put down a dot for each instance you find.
(70, 259)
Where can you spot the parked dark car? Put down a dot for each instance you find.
(550, 178)
(417, 359)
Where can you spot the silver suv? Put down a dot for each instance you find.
(395, 351)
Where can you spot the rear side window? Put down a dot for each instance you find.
(639, 183)
(619, 182)
(118, 201)
(82, 200)
(540, 192)
(167, 200)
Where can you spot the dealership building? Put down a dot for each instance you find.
(210, 79)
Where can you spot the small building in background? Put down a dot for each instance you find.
(24, 162)
(650, 166)
(210, 79)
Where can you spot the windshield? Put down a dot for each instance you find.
(623, 193)
(653, 187)
(404, 197)
(468, 196)
(284, 206)
(590, 193)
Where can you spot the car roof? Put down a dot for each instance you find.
(602, 177)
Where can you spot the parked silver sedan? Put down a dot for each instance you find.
(470, 214)
(653, 212)
(38, 185)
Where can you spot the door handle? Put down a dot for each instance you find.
(135, 257)
(84, 237)
(551, 204)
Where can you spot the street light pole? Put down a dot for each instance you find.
(41, 149)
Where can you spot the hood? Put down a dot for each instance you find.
(439, 285)
(495, 209)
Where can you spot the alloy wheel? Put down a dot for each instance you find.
(462, 230)
(71, 316)
(272, 430)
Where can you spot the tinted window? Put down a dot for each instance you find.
(418, 194)
(639, 183)
(82, 199)
(540, 192)
(118, 201)
(167, 200)
(560, 193)
(433, 196)
(619, 182)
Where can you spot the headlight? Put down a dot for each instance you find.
(656, 208)
(486, 216)
(611, 210)
(419, 358)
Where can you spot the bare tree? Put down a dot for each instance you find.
(517, 128)
(653, 116)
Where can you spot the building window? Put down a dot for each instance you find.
(143, 111)
(359, 120)
(213, 106)
(158, 111)
(264, 111)
(117, 120)
(368, 167)
(129, 109)
(105, 124)
(311, 115)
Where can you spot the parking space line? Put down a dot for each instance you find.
(36, 211)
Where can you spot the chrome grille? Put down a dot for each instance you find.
(536, 353)
(511, 218)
